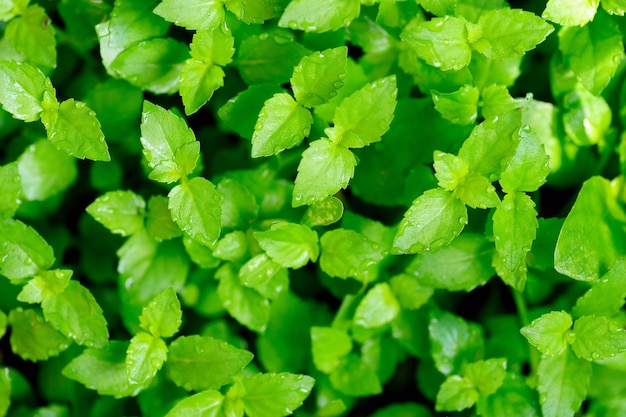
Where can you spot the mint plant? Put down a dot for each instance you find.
(267, 208)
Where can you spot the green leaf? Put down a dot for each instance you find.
(515, 228)
(75, 313)
(122, 212)
(199, 363)
(203, 404)
(268, 58)
(594, 52)
(528, 168)
(4, 322)
(44, 171)
(378, 308)
(456, 394)
(103, 370)
(496, 99)
(32, 37)
(459, 107)
(196, 15)
(453, 341)
(513, 398)
(570, 13)
(232, 247)
(264, 275)
(549, 332)
(44, 285)
(462, 265)
(439, 7)
(505, 33)
(606, 296)
(615, 7)
(450, 170)
(282, 124)
(486, 375)
(592, 237)
(441, 42)
(11, 188)
(162, 317)
(598, 337)
(240, 206)
(476, 191)
(355, 378)
(244, 304)
(129, 23)
(410, 292)
(159, 223)
(290, 245)
(11, 8)
(329, 346)
(323, 16)
(318, 76)
(323, 213)
(492, 144)
(434, 219)
(325, 168)
(32, 338)
(255, 11)
(563, 382)
(348, 254)
(5, 390)
(364, 116)
(75, 129)
(153, 65)
(22, 250)
(196, 208)
(587, 118)
(80, 18)
(23, 88)
(275, 395)
(144, 357)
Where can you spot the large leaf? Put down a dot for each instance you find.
(22, 250)
(22, 89)
(275, 395)
(318, 76)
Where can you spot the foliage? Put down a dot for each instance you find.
(229, 208)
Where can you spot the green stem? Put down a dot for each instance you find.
(522, 314)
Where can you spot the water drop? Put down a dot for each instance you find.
(595, 355)
(293, 24)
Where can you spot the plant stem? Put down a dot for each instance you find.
(522, 314)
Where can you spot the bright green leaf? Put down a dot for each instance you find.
(198, 363)
(432, 221)
(570, 12)
(325, 168)
(22, 90)
(456, 394)
(32, 37)
(486, 375)
(355, 378)
(598, 337)
(144, 357)
(159, 223)
(282, 124)
(22, 250)
(364, 116)
(318, 76)
(453, 341)
(441, 42)
(196, 209)
(323, 16)
(44, 285)
(76, 130)
(290, 245)
(275, 395)
(459, 107)
(528, 168)
(348, 254)
(549, 332)
(476, 191)
(606, 296)
(410, 292)
(563, 382)
(264, 275)
(497, 100)
(11, 188)
(323, 213)
(587, 117)
(196, 15)
(232, 247)
(615, 7)
(439, 8)
(450, 170)
(203, 404)
(122, 212)
(378, 308)
(32, 338)
(162, 317)
(329, 346)
(198, 82)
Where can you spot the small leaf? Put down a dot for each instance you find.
(329, 346)
(76, 130)
(75, 313)
(476, 191)
(318, 76)
(325, 169)
(203, 404)
(323, 16)
(349, 254)
(232, 247)
(598, 337)
(450, 170)
(355, 378)
(282, 124)
(275, 395)
(432, 221)
(159, 223)
(258, 271)
(587, 118)
(323, 213)
(411, 294)
(32, 36)
(122, 212)
(162, 317)
(10, 190)
(23, 252)
(196, 15)
(459, 107)
(549, 332)
(456, 394)
(441, 42)
(288, 244)
(570, 12)
(486, 375)
(196, 208)
(144, 357)
(364, 116)
(453, 341)
(378, 308)
(198, 363)
(606, 296)
(32, 338)
(529, 167)
(22, 89)
(563, 382)
(44, 285)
